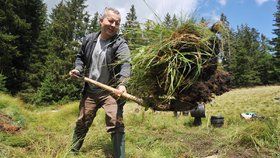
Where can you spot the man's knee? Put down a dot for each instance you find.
(116, 129)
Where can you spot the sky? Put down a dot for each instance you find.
(254, 13)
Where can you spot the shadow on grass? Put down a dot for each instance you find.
(107, 149)
(104, 146)
(188, 123)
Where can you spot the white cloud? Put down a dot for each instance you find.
(223, 2)
(147, 10)
(212, 16)
(215, 16)
(143, 11)
(260, 2)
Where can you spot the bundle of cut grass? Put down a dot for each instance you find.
(179, 71)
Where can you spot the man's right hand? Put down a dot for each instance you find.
(74, 73)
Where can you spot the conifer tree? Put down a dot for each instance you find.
(79, 18)
(276, 44)
(245, 57)
(175, 21)
(68, 25)
(131, 18)
(94, 23)
(223, 19)
(167, 21)
(3, 83)
(265, 62)
(226, 44)
(39, 52)
(149, 32)
(132, 30)
(8, 48)
(21, 24)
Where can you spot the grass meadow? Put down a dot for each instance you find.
(47, 131)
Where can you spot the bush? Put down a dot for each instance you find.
(55, 90)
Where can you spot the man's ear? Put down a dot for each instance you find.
(101, 20)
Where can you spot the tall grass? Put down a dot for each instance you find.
(174, 61)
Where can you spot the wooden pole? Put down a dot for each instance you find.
(114, 90)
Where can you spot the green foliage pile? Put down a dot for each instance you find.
(183, 60)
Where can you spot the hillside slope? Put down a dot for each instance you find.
(47, 131)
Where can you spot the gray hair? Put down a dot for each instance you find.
(109, 9)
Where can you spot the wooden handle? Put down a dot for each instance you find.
(113, 90)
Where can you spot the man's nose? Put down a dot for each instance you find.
(113, 24)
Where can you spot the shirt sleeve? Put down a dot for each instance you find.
(80, 57)
(124, 57)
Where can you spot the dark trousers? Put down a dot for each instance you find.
(89, 105)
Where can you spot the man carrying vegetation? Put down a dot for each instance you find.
(105, 57)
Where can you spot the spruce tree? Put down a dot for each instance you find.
(167, 21)
(223, 18)
(175, 22)
(227, 38)
(39, 51)
(79, 18)
(245, 57)
(150, 32)
(265, 62)
(94, 23)
(68, 24)
(21, 23)
(276, 44)
(3, 83)
(131, 30)
(8, 48)
(131, 18)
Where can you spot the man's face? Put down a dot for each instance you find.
(110, 24)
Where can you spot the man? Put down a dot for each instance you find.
(104, 57)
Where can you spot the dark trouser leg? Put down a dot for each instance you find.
(87, 113)
(114, 124)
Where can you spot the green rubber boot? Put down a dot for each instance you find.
(77, 142)
(118, 140)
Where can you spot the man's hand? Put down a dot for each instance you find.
(120, 90)
(74, 73)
